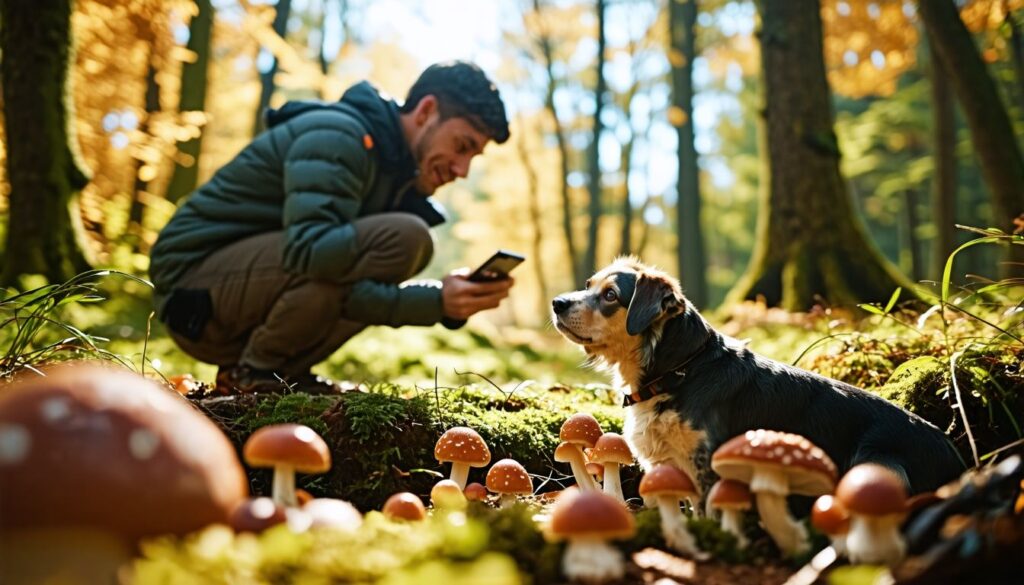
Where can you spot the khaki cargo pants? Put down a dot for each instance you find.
(270, 319)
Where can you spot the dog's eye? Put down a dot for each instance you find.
(610, 295)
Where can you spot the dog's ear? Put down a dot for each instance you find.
(653, 297)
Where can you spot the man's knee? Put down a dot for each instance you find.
(414, 241)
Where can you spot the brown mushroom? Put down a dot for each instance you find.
(876, 500)
(404, 506)
(596, 470)
(94, 458)
(508, 478)
(475, 492)
(447, 495)
(776, 465)
(611, 450)
(256, 515)
(287, 448)
(588, 520)
(579, 430)
(464, 448)
(731, 498)
(668, 485)
(833, 520)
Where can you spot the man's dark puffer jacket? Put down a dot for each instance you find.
(310, 174)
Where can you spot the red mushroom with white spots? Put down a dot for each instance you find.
(877, 502)
(776, 465)
(508, 479)
(588, 520)
(287, 448)
(731, 498)
(669, 485)
(579, 431)
(464, 448)
(611, 451)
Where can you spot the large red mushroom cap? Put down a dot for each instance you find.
(99, 447)
(809, 470)
(297, 446)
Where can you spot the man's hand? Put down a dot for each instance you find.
(461, 298)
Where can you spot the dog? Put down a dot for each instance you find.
(688, 388)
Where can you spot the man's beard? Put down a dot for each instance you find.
(424, 176)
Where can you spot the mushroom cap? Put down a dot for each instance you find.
(566, 452)
(729, 494)
(590, 514)
(667, 480)
(256, 515)
(872, 490)
(333, 513)
(829, 516)
(288, 444)
(810, 471)
(100, 447)
(612, 448)
(447, 494)
(509, 477)
(595, 469)
(462, 445)
(580, 428)
(476, 492)
(404, 506)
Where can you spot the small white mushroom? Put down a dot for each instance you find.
(287, 448)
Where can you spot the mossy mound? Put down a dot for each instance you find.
(382, 440)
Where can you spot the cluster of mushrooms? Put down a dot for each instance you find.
(861, 513)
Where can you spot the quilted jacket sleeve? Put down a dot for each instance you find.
(327, 172)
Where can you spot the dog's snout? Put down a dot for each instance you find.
(560, 304)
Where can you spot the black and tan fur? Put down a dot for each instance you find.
(635, 321)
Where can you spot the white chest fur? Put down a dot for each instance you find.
(661, 437)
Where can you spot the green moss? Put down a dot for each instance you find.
(915, 384)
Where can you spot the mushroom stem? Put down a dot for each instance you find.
(460, 473)
(612, 485)
(789, 535)
(506, 500)
(591, 560)
(579, 470)
(875, 540)
(732, 522)
(673, 528)
(283, 490)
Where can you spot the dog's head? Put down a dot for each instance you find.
(621, 302)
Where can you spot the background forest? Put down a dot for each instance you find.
(638, 127)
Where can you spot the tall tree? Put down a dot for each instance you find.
(546, 45)
(682, 22)
(42, 168)
(594, 150)
(944, 181)
(193, 98)
(991, 130)
(811, 247)
(267, 85)
(536, 223)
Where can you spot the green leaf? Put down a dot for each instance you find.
(892, 300)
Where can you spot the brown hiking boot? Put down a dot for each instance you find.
(245, 380)
(311, 383)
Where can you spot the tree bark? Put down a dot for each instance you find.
(193, 98)
(911, 261)
(990, 126)
(943, 192)
(133, 235)
(594, 150)
(547, 52)
(267, 86)
(811, 247)
(682, 18)
(44, 172)
(536, 220)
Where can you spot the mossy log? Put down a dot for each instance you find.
(382, 441)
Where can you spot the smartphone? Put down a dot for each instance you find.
(497, 266)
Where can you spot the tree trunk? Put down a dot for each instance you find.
(536, 220)
(811, 247)
(682, 19)
(944, 181)
(193, 98)
(626, 164)
(44, 172)
(544, 41)
(133, 235)
(1016, 51)
(284, 8)
(911, 256)
(990, 126)
(594, 150)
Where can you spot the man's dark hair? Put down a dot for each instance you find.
(462, 91)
